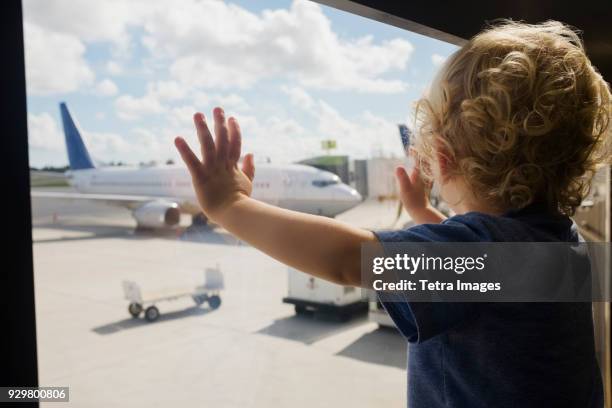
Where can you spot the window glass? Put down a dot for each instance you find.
(324, 183)
(140, 300)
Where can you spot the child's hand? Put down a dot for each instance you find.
(413, 191)
(217, 181)
(414, 194)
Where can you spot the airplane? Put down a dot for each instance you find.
(157, 196)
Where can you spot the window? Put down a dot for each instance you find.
(325, 183)
(141, 301)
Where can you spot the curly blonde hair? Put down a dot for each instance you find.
(521, 115)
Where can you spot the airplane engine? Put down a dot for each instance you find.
(157, 214)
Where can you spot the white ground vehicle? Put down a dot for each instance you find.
(378, 314)
(310, 294)
(209, 292)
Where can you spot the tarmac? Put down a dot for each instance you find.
(253, 351)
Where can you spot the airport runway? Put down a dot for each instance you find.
(251, 352)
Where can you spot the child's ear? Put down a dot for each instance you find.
(444, 161)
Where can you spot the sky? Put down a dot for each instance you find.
(293, 73)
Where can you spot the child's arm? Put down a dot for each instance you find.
(320, 246)
(317, 245)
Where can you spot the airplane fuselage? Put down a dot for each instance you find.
(297, 187)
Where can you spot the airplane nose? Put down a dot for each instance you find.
(355, 196)
(348, 196)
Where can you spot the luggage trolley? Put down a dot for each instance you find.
(208, 292)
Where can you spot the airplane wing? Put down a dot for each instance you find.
(127, 201)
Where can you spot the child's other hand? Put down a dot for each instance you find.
(413, 191)
(217, 180)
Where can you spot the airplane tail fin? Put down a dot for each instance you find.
(405, 135)
(78, 156)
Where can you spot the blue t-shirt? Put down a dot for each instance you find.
(498, 354)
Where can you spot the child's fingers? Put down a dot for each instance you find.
(248, 167)
(221, 134)
(415, 176)
(403, 179)
(190, 159)
(207, 145)
(235, 140)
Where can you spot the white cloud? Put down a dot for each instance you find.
(129, 107)
(156, 146)
(106, 87)
(231, 102)
(298, 96)
(267, 136)
(280, 139)
(57, 33)
(90, 21)
(44, 133)
(160, 95)
(114, 68)
(285, 139)
(369, 135)
(237, 48)
(437, 60)
(201, 54)
(55, 62)
(180, 119)
(167, 90)
(234, 48)
(365, 136)
(107, 146)
(202, 72)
